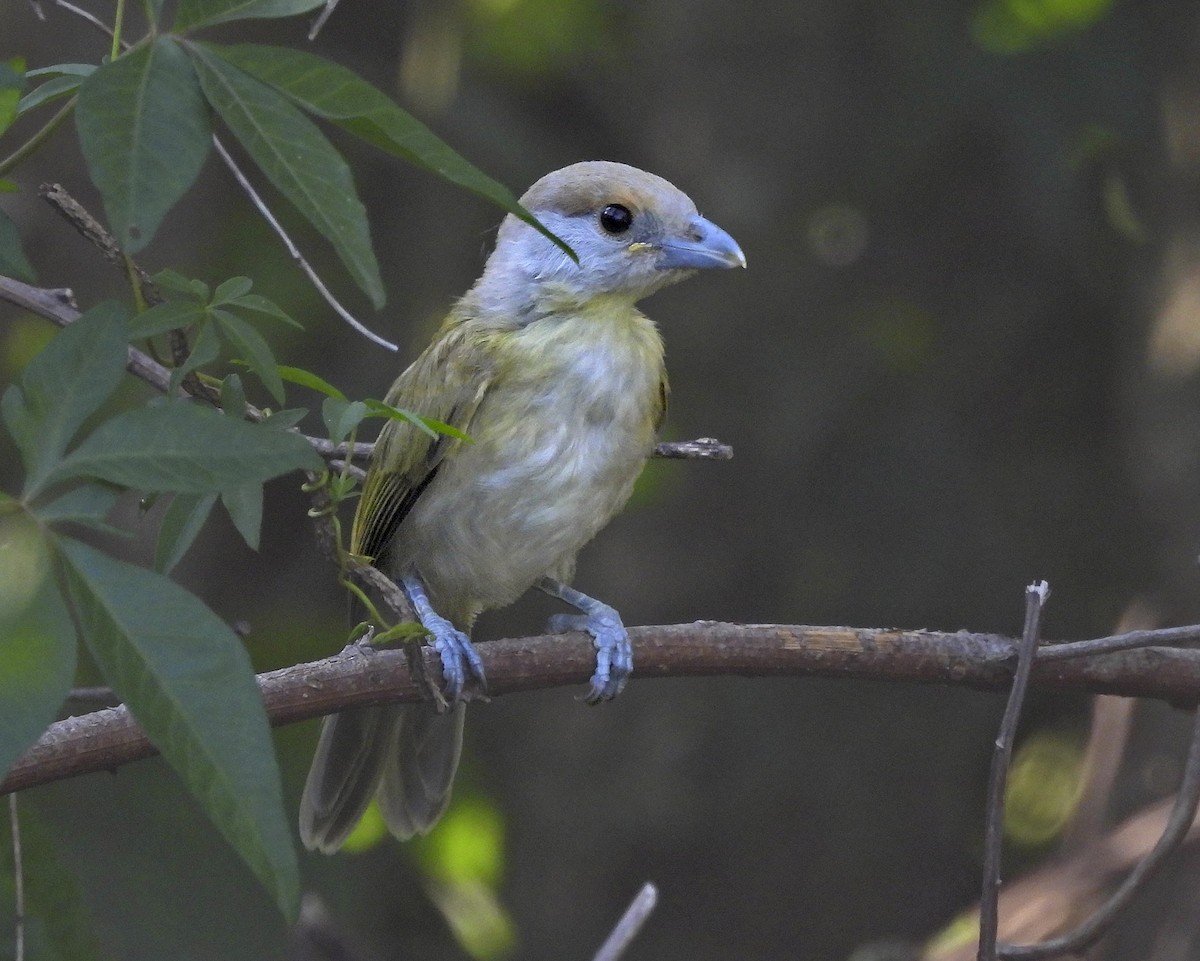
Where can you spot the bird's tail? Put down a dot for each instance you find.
(418, 771)
(407, 752)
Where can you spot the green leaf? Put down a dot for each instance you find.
(204, 13)
(163, 317)
(181, 522)
(430, 425)
(63, 70)
(189, 683)
(181, 447)
(244, 505)
(145, 131)
(53, 89)
(233, 397)
(169, 279)
(335, 93)
(58, 923)
(37, 651)
(66, 383)
(13, 262)
(231, 289)
(19, 423)
(283, 419)
(205, 349)
(306, 378)
(262, 305)
(88, 504)
(297, 159)
(342, 416)
(254, 351)
(12, 82)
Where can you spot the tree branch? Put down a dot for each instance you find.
(107, 739)
(1035, 600)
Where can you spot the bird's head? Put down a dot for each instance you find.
(633, 233)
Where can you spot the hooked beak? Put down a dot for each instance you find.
(704, 245)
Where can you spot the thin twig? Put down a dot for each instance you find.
(989, 916)
(702, 448)
(89, 17)
(1120, 642)
(40, 137)
(630, 924)
(1090, 931)
(328, 449)
(54, 303)
(324, 15)
(294, 251)
(18, 879)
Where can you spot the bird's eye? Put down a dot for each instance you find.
(616, 219)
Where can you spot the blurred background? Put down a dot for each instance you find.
(965, 356)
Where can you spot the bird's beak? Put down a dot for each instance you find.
(703, 245)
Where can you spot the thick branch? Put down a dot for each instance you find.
(106, 739)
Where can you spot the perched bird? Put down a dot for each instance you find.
(558, 380)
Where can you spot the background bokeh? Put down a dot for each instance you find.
(964, 356)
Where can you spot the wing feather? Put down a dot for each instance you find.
(447, 382)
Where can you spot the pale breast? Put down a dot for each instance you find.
(558, 444)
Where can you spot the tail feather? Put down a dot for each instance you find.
(418, 771)
(345, 773)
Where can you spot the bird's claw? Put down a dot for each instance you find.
(459, 658)
(614, 655)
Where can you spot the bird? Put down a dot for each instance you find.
(558, 383)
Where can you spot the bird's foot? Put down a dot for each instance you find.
(459, 658)
(614, 655)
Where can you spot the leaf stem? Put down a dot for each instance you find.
(118, 21)
(32, 144)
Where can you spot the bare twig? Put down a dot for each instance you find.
(18, 880)
(328, 449)
(630, 924)
(989, 918)
(294, 252)
(109, 738)
(1183, 814)
(85, 15)
(58, 307)
(53, 303)
(319, 22)
(702, 448)
(88, 226)
(1121, 642)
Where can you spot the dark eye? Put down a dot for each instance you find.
(616, 219)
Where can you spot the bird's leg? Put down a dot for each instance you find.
(614, 656)
(453, 646)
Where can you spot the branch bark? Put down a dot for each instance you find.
(106, 739)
